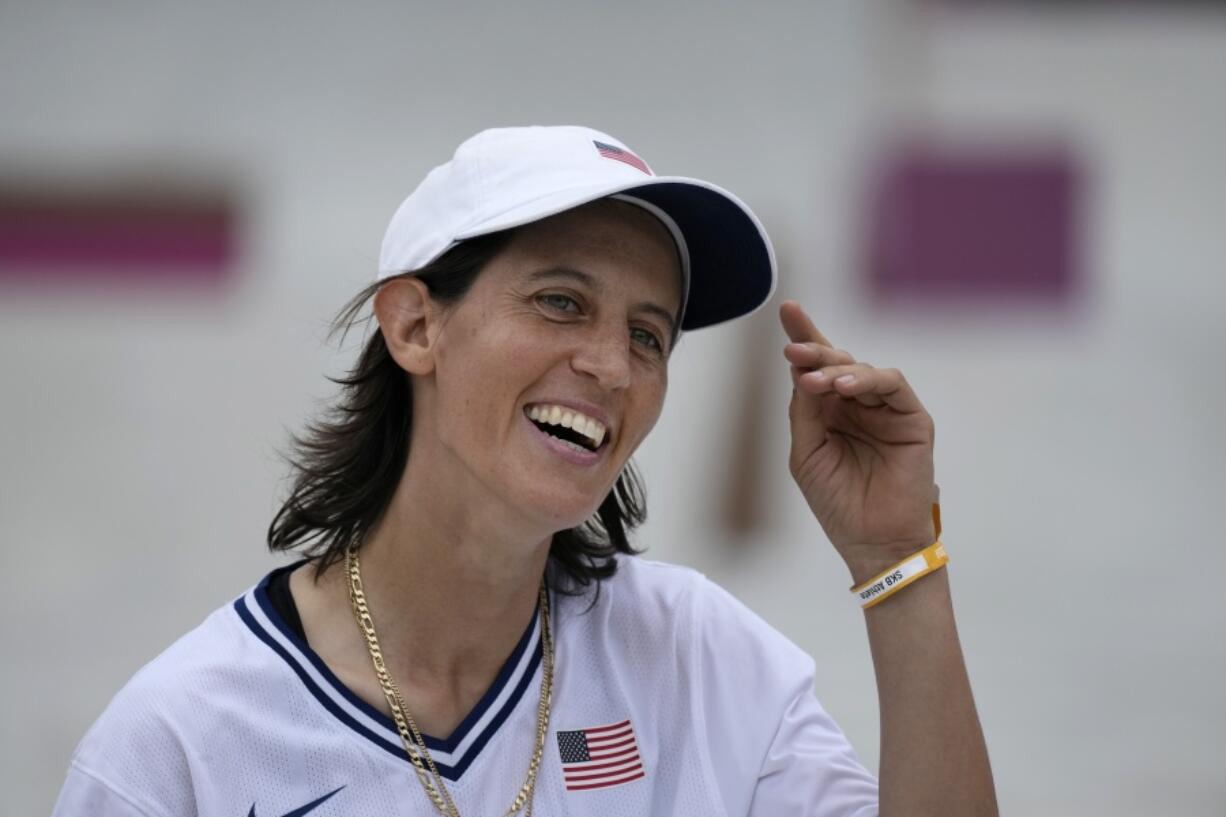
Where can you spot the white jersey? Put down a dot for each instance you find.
(670, 698)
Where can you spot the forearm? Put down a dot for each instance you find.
(933, 757)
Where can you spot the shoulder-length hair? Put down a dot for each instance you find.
(347, 463)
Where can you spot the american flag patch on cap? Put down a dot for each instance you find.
(600, 756)
(622, 155)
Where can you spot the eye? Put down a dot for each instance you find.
(559, 302)
(646, 338)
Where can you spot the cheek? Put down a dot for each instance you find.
(483, 374)
(649, 405)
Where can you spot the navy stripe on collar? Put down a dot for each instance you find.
(332, 692)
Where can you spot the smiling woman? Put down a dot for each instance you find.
(469, 629)
(572, 316)
(349, 464)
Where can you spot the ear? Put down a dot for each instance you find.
(408, 318)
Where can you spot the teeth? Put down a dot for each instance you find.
(594, 430)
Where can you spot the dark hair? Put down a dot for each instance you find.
(346, 465)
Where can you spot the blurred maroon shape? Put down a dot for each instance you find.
(56, 235)
(977, 224)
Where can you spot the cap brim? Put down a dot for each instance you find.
(732, 262)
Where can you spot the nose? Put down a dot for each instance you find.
(605, 356)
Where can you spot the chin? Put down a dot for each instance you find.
(563, 511)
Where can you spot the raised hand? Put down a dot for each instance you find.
(861, 450)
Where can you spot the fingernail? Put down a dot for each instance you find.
(845, 379)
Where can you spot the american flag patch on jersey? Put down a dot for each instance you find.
(600, 756)
(621, 155)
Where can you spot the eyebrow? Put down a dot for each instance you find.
(589, 281)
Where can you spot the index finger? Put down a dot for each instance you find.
(799, 327)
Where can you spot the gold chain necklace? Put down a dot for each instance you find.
(410, 735)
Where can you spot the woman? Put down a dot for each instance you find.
(466, 512)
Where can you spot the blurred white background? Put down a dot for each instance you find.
(1078, 450)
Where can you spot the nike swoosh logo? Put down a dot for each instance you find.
(301, 810)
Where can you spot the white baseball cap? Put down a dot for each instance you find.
(508, 177)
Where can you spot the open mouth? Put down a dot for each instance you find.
(569, 426)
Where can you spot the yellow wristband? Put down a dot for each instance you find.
(888, 582)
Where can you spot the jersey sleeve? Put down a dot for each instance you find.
(773, 748)
(87, 795)
(132, 760)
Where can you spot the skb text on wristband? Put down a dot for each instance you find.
(890, 581)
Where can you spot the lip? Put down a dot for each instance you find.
(563, 450)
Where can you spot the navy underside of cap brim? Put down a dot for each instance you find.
(731, 272)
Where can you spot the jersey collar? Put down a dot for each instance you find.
(453, 754)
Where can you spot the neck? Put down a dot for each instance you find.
(451, 576)
(451, 602)
(451, 585)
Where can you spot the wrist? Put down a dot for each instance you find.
(868, 560)
(865, 562)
